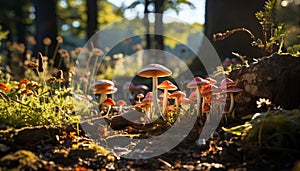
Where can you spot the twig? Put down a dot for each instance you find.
(222, 36)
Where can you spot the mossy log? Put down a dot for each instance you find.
(275, 77)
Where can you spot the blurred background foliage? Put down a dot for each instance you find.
(28, 22)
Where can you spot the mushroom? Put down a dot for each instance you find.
(177, 95)
(140, 96)
(154, 71)
(102, 87)
(229, 91)
(197, 82)
(121, 103)
(149, 101)
(207, 92)
(227, 82)
(211, 81)
(108, 102)
(166, 86)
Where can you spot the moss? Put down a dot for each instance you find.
(20, 160)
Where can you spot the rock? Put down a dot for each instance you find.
(275, 77)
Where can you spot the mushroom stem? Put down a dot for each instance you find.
(198, 100)
(102, 98)
(231, 103)
(165, 100)
(108, 110)
(154, 96)
(177, 106)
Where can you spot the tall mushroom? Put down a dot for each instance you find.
(154, 71)
(166, 86)
(197, 83)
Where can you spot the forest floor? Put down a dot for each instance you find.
(68, 148)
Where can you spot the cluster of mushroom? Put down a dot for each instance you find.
(206, 88)
(150, 103)
(202, 95)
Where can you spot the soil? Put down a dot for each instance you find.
(69, 148)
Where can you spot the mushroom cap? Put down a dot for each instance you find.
(231, 90)
(109, 102)
(154, 70)
(107, 90)
(121, 103)
(209, 89)
(197, 81)
(148, 98)
(211, 81)
(227, 82)
(177, 94)
(101, 84)
(140, 96)
(168, 85)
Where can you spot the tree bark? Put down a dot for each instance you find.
(159, 29)
(147, 24)
(275, 78)
(92, 16)
(45, 24)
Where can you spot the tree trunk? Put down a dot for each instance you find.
(92, 16)
(45, 24)
(159, 29)
(226, 15)
(20, 26)
(147, 24)
(275, 78)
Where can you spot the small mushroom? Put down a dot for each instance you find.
(166, 86)
(121, 103)
(229, 91)
(227, 82)
(154, 71)
(197, 83)
(140, 96)
(108, 102)
(177, 95)
(149, 101)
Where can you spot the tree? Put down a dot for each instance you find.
(92, 15)
(160, 6)
(45, 23)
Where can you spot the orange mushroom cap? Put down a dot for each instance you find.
(121, 103)
(109, 102)
(167, 85)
